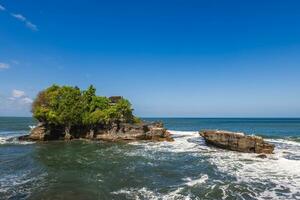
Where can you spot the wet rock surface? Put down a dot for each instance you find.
(262, 156)
(115, 132)
(143, 131)
(237, 141)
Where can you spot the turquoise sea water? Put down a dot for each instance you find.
(184, 169)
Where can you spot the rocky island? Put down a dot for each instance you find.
(66, 113)
(237, 141)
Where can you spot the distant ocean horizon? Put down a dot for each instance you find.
(198, 117)
(184, 169)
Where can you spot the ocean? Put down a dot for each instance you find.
(184, 169)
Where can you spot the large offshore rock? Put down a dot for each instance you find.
(237, 141)
(114, 132)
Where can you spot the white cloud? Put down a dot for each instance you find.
(19, 17)
(4, 66)
(27, 100)
(18, 93)
(31, 26)
(19, 97)
(2, 8)
(10, 106)
(16, 104)
(28, 23)
(12, 98)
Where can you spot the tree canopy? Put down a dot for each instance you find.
(69, 106)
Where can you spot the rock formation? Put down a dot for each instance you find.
(115, 132)
(237, 141)
(142, 131)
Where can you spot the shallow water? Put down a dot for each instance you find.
(184, 169)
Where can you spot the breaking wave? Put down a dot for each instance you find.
(232, 174)
(10, 137)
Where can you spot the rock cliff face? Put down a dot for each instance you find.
(154, 131)
(115, 132)
(237, 142)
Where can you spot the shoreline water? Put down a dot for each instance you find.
(184, 169)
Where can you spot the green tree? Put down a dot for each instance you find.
(124, 110)
(67, 107)
(70, 108)
(44, 108)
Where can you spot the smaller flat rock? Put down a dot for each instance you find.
(237, 141)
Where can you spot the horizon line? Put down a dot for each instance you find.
(182, 117)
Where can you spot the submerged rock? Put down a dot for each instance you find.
(237, 141)
(262, 156)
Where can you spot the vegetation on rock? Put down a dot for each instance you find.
(67, 107)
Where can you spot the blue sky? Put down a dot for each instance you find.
(169, 58)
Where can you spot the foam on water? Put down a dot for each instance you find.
(276, 177)
(10, 137)
(279, 174)
(145, 193)
(11, 185)
(191, 182)
(187, 141)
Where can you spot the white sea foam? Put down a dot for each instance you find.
(190, 182)
(9, 183)
(13, 140)
(145, 193)
(183, 142)
(281, 169)
(283, 142)
(134, 193)
(10, 137)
